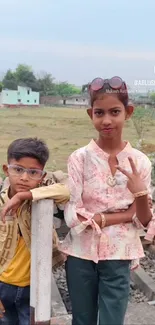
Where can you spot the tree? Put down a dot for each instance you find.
(64, 89)
(152, 96)
(26, 77)
(140, 119)
(46, 84)
(9, 80)
(22, 76)
(85, 88)
(1, 86)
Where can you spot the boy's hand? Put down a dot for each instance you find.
(2, 310)
(14, 203)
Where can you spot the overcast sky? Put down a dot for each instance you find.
(77, 40)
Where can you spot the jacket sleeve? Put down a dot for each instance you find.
(58, 192)
(75, 205)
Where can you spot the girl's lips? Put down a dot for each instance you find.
(107, 130)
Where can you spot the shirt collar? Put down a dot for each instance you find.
(123, 154)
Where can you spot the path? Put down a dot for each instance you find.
(140, 314)
(137, 314)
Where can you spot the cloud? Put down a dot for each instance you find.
(70, 49)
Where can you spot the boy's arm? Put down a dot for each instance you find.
(58, 192)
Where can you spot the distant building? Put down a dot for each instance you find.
(80, 100)
(23, 96)
(76, 100)
(51, 101)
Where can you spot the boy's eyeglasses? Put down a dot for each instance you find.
(16, 170)
(115, 83)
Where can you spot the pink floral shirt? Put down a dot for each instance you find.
(88, 170)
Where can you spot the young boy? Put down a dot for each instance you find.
(25, 171)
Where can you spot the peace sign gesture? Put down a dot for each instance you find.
(135, 184)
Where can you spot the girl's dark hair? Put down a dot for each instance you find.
(28, 147)
(122, 94)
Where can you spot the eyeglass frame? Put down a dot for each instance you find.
(27, 171)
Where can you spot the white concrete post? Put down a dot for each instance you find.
(41, 261)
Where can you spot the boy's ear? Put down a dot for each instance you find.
(5, 170)
(129, 111)
(90, 112)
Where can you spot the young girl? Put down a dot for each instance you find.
(110, 185)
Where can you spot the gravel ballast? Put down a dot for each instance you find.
(148, 264)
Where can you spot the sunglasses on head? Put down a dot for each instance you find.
(115, 83)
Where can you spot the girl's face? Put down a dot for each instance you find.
(108, 116)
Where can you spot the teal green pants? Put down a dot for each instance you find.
(98, 290)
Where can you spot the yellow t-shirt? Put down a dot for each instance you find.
(18, 271)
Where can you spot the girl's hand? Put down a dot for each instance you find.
(135, 184)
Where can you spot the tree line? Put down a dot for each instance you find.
(44, 83)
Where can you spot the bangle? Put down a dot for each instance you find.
(139, 194)
(103, 220)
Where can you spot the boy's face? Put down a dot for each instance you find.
(24, 174)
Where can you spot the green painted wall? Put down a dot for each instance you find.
(22, 96)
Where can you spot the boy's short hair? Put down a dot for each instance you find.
(28, 147)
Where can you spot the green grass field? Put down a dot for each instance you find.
(63, 129)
